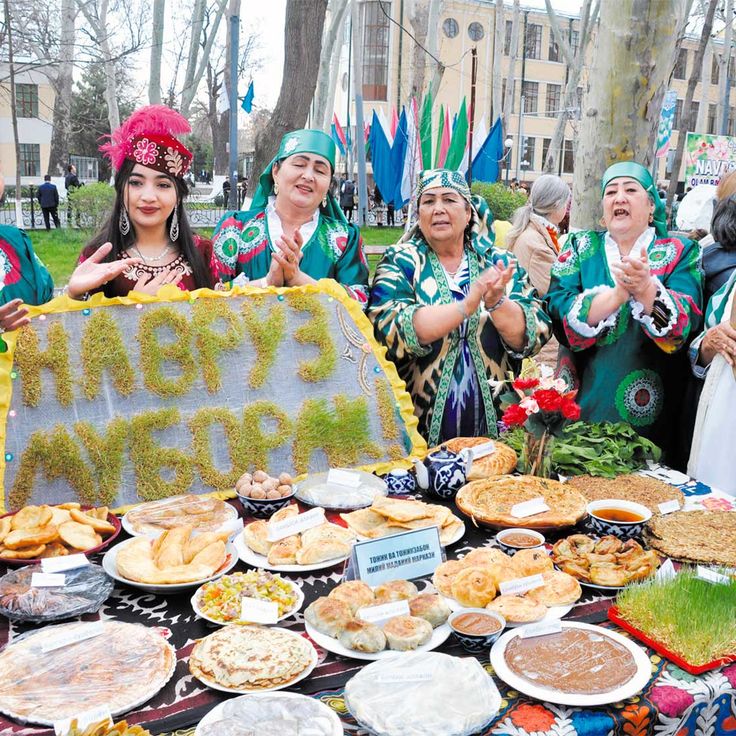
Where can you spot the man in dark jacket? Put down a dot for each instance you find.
(48, 198)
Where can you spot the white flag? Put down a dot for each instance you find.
(223, 100)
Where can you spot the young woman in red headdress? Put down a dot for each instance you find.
(147, 242)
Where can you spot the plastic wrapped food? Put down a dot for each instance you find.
(423, 694)
(46, 677)
(316, 490)
(85, 590)
(271, 714)
(202, 514)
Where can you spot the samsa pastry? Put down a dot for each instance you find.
(362, 636)
(431, 608)
(284, 552)
(517, 609)
(502, 573)
(407, 632)
(255, 536)
(355, 593)
(474, 587)
(328, 615)
(531, 562)
(327, 531)
(559, 589)
(285, 513)
(445, 574)
(482, 556)
(321, 551)
(395, 590)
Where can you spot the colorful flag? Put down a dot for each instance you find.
(247, 103)
(394, 121)
(438, 144)
(456, 152)
(485, 164)
(443, 139)
(425, 131)
(223, 100)
(398, 156)
(383, 173)
(338, 134)
(480, 133)
(666, 119)
(413, 158)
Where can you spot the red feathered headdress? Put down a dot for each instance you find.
(148, 138)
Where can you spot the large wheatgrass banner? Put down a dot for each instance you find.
(116, 401)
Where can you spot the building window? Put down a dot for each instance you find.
(533, 41)
(712, 119)
(732, 70)
(507, 38)
(554, 102)
(678, 115)
(30, 159)
(680, 65)
(450, 28)
(694, 115)
(553, 54)
(574, 42)
(26, 99)
(475, 31)
(530, 91)
(546, 143)
(715, 71)
(731, 121)
(568, 158)
(375, 50)
(527, 163)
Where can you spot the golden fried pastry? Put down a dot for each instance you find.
(355, 593)
(531, 562)
(482, 556)
(445, 574)
(559, 589)
(31, 537)
(499, 462)
(255, 536)
(327, 531)
(518, 609)
(321, 551)
(502, 573)
(5, 527)
(168, 549)
(284, 551)
(30, 517)
(328, 615)
(61, 516)
(395, 590)
(26, 553)
(407, 632)
(55, 549)
(285, 513)
(474, 587)
(198, 542)
(607, 573)
(99, 525)
(79, 536)
(430, 607)
(362, 636)
(69, 505)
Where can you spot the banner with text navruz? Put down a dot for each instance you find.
(708, 158)
(117, 401)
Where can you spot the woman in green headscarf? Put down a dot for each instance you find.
(625, 301)
(453, 311)
(294, 232)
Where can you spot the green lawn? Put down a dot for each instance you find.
(59, 249)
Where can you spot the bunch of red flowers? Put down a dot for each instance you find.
(539, 405)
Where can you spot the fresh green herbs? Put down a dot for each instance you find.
(693, 618)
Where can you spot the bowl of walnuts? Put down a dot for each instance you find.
(262, 494)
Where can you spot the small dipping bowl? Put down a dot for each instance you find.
(264, 508)
(512, 540)
(476, 642)
(623, 519)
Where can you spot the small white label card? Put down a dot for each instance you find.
(347, 478)
(541, 629)
(47, 580)
(482, 450)
(232, 527)
(60, 564)
(376, 614)
(295, 524)
(669, 506)
(529, 508)
(87, 718)
(521, 585)
(666, 571)
(257, 611)
(79, 633)
(711, 576)
(400, 677)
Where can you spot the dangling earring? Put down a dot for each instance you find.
(174, 228)
(124, 222)
(651, 218)
(324, 201)
(275, 188)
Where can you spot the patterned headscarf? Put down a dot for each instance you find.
(634, 170)
(482, 235)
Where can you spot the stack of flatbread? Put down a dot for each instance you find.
(393, 515)
(642, 489)
(491, 501)
(500, 461)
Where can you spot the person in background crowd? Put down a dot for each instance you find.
(226, 192)
(390, 210)
(71, 184)
(347, 199)
(48, 198)
(147, 241)
(294, 232)
(453, 311)
(625, 301)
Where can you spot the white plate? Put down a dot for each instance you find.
(232, 511)
(301, 676)
(216, 713)
(109, 565)
(252, 558)
(553, 613)
(456, 538)
(635, 685)
(308, 491)
(439, 636)
(297, 606)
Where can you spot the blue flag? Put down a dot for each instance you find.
(247, 103)
(398, 154)
(485, 163)
(383, 172)
(335, 137)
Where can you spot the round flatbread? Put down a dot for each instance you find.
(499, 462)
(395, 590)
(517, 609)
(474, 587)
(559, 589)
(445, 574)
(483, 556)
(642, 489)
(531, 562)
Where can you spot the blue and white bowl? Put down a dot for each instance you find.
(510, 549)
(476, 643)
(264, 508)
(620, 529)
(400, 482)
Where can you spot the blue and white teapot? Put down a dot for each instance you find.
(442, 473)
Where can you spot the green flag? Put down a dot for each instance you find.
(440, 131)
(425, 130)
(459, 142)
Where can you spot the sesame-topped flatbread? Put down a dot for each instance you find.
(642, 489)
(499, 462)
(490, 501)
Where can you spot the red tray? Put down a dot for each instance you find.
(658, 647)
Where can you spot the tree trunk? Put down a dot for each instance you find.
(419, 19)
(705, 72)
(13, 114)
(332, 88)
(325, 83)
(61, 132)
(157, 44)
(686, 123)
(628, 79)
(500, 26)
(508, 102)
(724, 61)
(302, 45)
